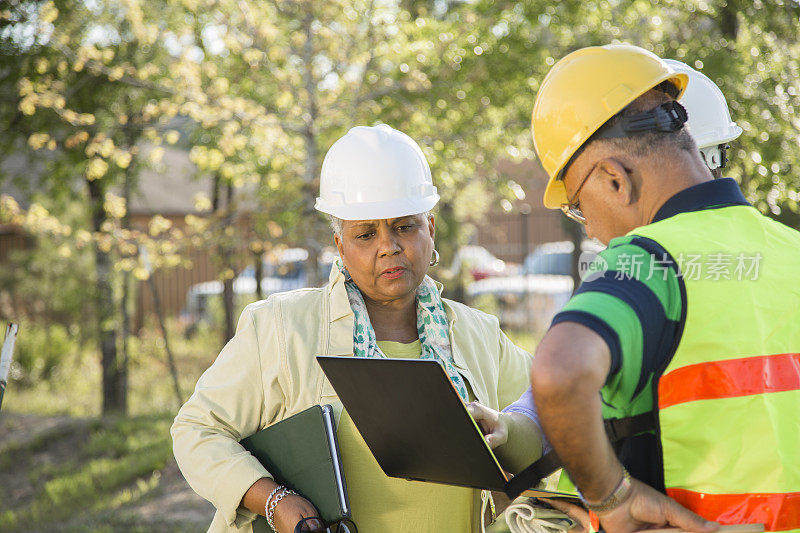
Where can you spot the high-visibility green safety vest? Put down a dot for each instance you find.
(729, 399)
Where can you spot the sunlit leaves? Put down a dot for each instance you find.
(96, 168)
(257, 91)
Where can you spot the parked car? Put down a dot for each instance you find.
(531, 299)
(284, 270)
(480, 263)
(556, 258)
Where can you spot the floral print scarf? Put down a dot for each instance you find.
(431, 328)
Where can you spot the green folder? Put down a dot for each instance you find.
(302, 453)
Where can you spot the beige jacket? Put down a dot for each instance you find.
(267, 372)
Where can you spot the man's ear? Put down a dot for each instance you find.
(617, 180)
(432, 226)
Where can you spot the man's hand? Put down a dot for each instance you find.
(576, 512)
(291, 510)
(647, 508)
(492, 424)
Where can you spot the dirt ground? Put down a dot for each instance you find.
(30, 443)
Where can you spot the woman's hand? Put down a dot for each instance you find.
(492, 423)
(288, 512)
(291, 510)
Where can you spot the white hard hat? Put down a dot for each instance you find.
(375, 173)
(709, 119)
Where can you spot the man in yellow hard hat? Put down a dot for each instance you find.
(685, 333)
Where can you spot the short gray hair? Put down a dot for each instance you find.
(646, 143)
(336, 223)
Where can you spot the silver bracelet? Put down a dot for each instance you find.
(266, 504)
(272, 505)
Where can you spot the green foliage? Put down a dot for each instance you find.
(150, 388)
(257, 91)
(488, 303)
(41, 350)
(73, 387)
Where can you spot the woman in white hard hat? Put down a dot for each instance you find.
(709, 119)
(376, 188)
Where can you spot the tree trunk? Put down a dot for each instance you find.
(114, 386)
(258, 269)
(173, 368)
(125, 325)
(729, 20)
(227, 284)
(314, 279)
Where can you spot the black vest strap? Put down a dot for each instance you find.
(533, 474)
(616, 429)
(622, 428)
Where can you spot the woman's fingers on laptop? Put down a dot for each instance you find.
(492, 423)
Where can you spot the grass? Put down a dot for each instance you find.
(108, 463)
(524, 339)
(88, 473)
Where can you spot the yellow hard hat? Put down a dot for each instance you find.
(580, 93)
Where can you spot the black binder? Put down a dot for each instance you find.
(302, 453)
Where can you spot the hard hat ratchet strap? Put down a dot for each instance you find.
(667, 118)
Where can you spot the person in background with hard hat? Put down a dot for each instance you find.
(376, 188)
(710, 121)
(677, 340)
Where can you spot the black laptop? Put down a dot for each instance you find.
(416, 425)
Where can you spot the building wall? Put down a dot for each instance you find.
(172, 284)
(511, 235)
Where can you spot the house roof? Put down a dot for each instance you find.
(169, 188)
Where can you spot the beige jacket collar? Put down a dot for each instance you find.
(338, 304)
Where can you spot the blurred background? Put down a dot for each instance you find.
(159, 162)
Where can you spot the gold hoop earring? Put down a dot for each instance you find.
(435, 258)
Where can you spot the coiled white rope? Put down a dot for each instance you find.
(525, 517)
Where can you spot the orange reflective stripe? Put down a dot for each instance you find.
(729, 379)
(594, 522)
(778, 512)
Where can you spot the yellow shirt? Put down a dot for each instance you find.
(381, 503)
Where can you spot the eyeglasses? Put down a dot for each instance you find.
(573, 208)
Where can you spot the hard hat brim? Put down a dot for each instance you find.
(716, 138)
(379, 210)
